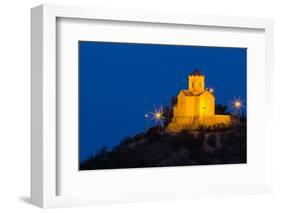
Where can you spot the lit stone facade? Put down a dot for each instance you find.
(196, 106)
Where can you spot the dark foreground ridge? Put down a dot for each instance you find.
(155, 148)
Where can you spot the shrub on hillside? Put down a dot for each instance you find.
(212, 141)
(153, 134)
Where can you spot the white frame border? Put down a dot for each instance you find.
(43, 91)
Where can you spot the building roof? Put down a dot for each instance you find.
(196, 73)
(189, 93)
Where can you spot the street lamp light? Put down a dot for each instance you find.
(146, 121)
(158, 116)
(237, 104)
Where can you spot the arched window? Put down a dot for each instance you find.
(193, 84)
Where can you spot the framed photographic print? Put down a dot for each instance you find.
(136, 126)
(130, 106)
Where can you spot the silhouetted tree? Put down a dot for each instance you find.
(243, 117)
(174, 100)
(153, 134)
(221, 109)
(168, 115)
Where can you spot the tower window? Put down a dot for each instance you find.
(192, 84)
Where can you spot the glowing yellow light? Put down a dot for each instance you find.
(237, 104)
(158, 115)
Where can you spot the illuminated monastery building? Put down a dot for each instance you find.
(196, 106)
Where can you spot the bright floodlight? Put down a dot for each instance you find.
(237, 104)
(158, 115)
(146, 115)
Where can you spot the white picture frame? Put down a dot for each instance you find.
(44, 153)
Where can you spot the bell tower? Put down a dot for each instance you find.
(196, 82)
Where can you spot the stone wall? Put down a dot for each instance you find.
(180, 123)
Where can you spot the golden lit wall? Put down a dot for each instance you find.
(181, 107)
(207, 104)
(196, 84)
(225, 119)
(196, 106)
(185, 106)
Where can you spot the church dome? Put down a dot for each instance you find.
(196, 73)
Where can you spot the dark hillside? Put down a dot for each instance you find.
(156, 149)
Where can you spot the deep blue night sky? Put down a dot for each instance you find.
(120, 82)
